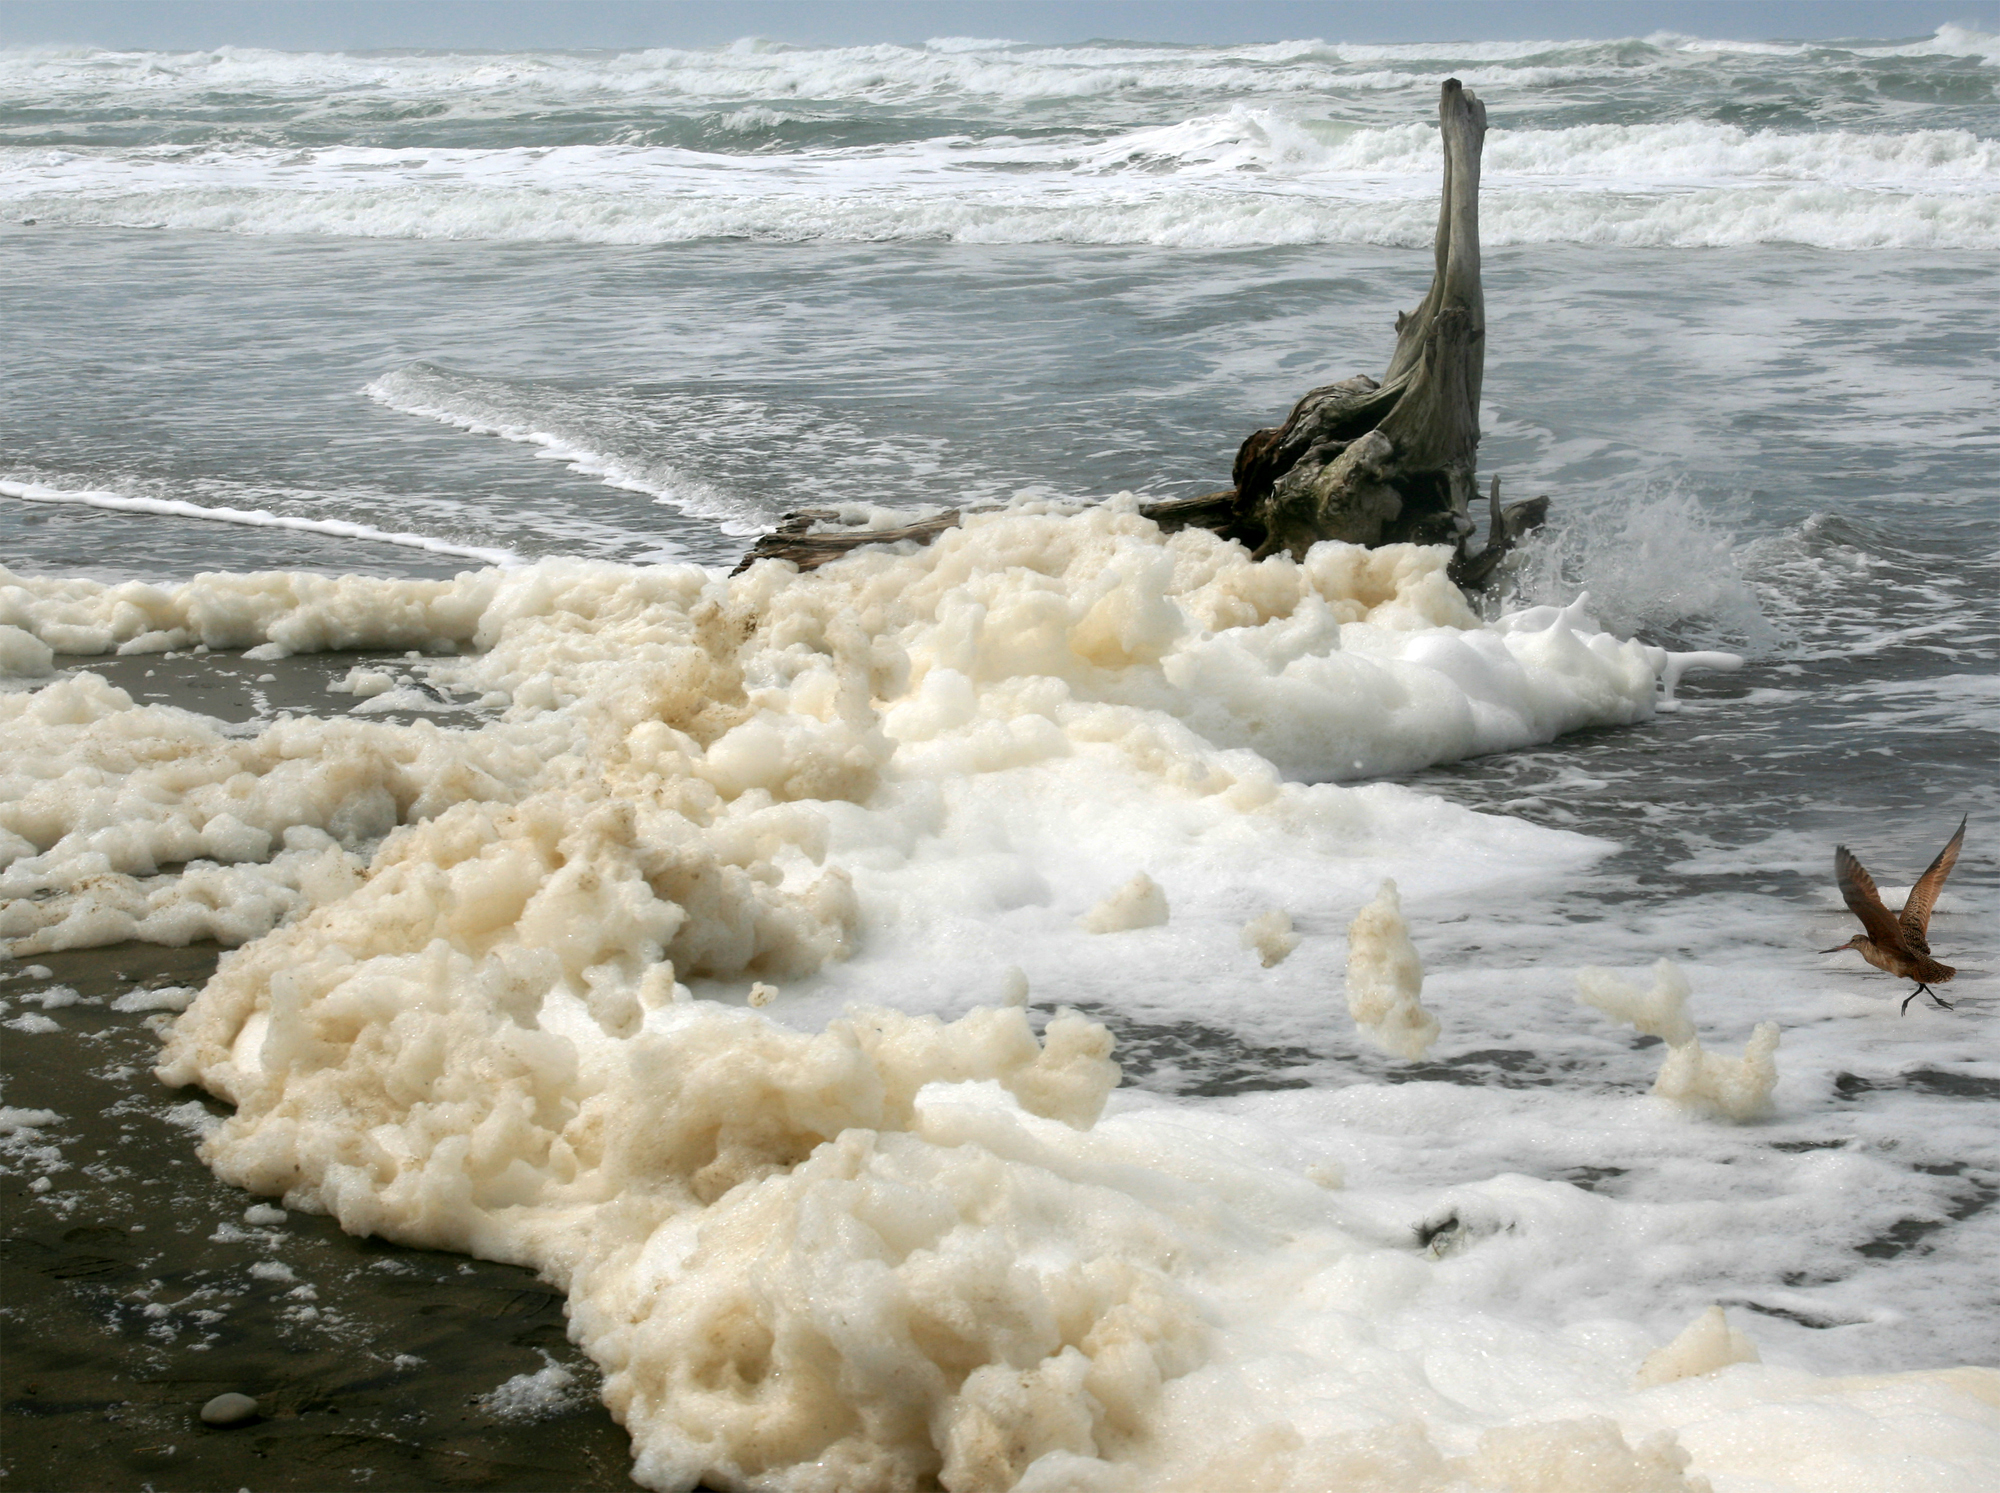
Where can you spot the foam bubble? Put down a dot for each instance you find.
(547, 1391)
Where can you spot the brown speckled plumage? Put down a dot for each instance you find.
(1898, 943)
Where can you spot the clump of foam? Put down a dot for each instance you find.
(363, 683)
(1728, 1088)
(959, 1307)
(1700, 1081)
(887, 1252)
(1587, 1455)
(23, 655)
(706, 1187)
(1659, 1012)
(1705, 1345)
(1270, 937)
(548, 1391)
(157, 998)
(1385, 979)
(1590, 1455)
(1140, 903)
(1348, 663)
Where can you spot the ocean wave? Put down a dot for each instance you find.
(1239, 176)
(874, 75)
(993, 70)
(257, 518)
(1251, 142)
(1625, 155)
(1164, 216)
(687, 449)
(1651, 562)
(564, 427)
(1947, 41)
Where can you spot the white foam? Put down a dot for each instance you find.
(1246, 174)
(1139, 903)
(34, 492)
(1702, 1082)
(1710, 1083)
(32, 1023)
(1707, 1344)
(547, 1391)
(898, 1238)
(24, 656)
(942, 74)
(1660, 1012)
(162, 998)
(1270, 937)
(1385, 979)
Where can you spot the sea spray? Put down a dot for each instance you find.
(1655, 562)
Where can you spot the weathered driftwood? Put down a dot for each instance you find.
(797, 539)
(1368, 461)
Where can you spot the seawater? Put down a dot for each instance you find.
(595, 320)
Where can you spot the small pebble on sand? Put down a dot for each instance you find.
(231, 1409)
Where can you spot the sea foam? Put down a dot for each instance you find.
(885, 1249)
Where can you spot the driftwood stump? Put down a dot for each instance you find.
(1369, 461)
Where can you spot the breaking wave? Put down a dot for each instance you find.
(1236, 180)
(1632, 142)
(1658, 563)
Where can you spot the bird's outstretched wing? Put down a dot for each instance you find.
(1923, 896)
(1857, 889)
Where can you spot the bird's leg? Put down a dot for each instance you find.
(1923, 989)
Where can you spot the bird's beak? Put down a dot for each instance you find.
(1838, 947)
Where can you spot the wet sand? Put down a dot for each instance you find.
(133, 1289)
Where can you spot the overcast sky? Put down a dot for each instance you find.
(330, 25)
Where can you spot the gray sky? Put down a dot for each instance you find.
(333, 25)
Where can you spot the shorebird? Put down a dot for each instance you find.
(1896, 942)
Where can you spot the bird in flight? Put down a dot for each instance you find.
(1896, 942)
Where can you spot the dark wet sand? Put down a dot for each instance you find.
(109, 1278)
